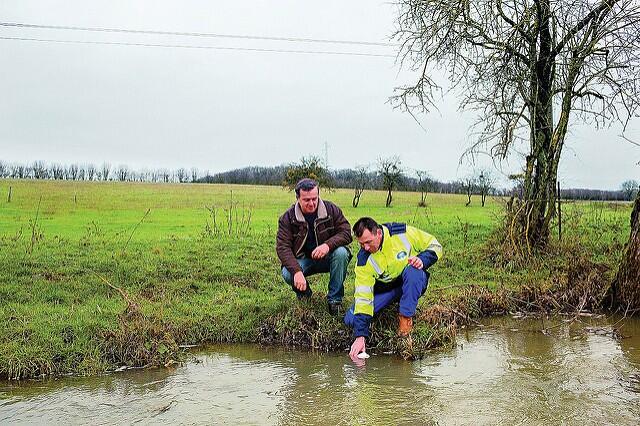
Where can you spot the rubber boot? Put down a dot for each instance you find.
(405, 325)
(334, 308)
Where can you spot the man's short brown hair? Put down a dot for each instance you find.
(364, 223)
(305, 184)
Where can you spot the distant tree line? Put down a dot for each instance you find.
(252, 175)
(387, 175)
(91, 172)
(597, 194)
(479, 183)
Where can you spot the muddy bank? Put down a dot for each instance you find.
(581, 287)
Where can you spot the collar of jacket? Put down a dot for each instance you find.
(384, 230)
(322, 211)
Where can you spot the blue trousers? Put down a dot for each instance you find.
(408, 288)
(335, 263)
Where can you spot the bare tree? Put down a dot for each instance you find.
(73, 171)
(57, 171)
(165, 175)
(181, 174)
(39, 170)
(18, 171)
(122, 172)
(4, 169)
(485, 182)
(469, 185)
(391, 173)
(91, 172)
(528, 68)
(424, 185)
(105, 170)
(360, 180)
(194, 175)
(143, 175)
(630, 189)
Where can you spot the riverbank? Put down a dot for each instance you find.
(94, 276)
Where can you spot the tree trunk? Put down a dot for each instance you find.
(541, 165)
(356, 199)
(626, 285)
(389, 198)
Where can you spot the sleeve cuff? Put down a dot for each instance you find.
(428, 257)
(361, 325)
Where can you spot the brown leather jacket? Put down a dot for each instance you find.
(331, 227)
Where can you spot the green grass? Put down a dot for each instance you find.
(194, 285)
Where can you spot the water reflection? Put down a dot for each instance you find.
(217, 389)
(523, 375)
(506, 372)
(332, 390)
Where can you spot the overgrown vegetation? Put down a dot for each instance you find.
(130, 274)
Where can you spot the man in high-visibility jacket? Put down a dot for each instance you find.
(392, 264)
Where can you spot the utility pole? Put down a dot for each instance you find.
(326, 155)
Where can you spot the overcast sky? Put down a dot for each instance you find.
(222, 109)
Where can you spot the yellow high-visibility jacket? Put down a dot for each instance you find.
(400, 241)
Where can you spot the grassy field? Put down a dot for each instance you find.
(98, 275)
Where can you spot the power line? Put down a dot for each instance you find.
(192, 34)
(184, 46)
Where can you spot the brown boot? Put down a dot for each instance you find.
(405, 324)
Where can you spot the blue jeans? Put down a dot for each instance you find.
(410, 286)
(335, 263)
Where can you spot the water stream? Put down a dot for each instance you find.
(509, 371)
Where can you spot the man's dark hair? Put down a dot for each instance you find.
(305, 184)
(365, 223)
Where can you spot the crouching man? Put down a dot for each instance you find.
(313, 237)
(392, 265)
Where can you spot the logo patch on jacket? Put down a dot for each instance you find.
(401, 255)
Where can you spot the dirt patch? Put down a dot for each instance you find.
(53, 276)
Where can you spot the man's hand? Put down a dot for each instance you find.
(299, 281)
(357, 347)
(415, 262)
(320, 251)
